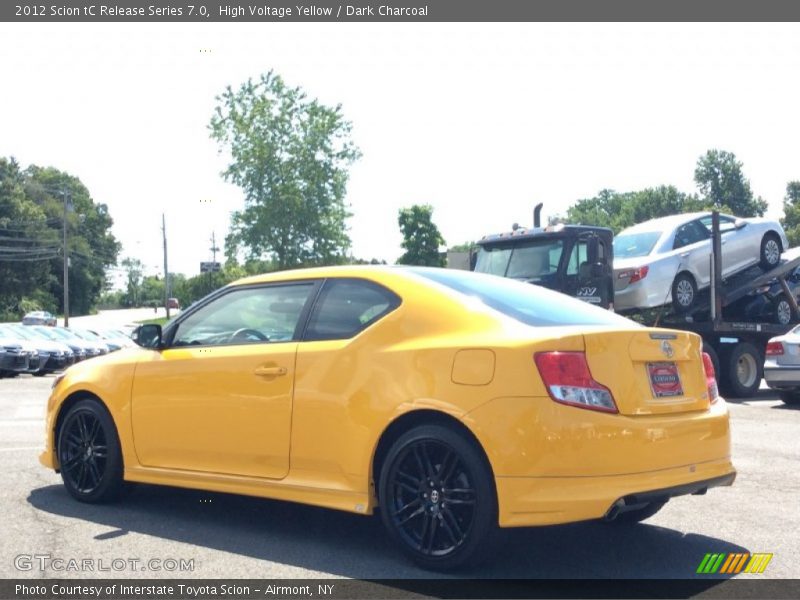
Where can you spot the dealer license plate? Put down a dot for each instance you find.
(665, 381)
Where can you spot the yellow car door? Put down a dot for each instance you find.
(217, 397)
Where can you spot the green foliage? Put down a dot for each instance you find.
(31, 258)
(723, 186)
(364, 261)
(620, 210)
(290, 157)
(464, 247)
(135, 274)
(192, 289)
(791, 212)
(421, 237)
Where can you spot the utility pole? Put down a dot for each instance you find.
(214, 248)
(66, 262)
(166, 270)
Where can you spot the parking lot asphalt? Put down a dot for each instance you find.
(231, 536)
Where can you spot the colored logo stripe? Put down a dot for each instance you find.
(758, 563)
(733, 563)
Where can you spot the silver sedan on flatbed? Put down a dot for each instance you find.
(667, 260)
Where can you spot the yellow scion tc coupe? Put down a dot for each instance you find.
(450, 402)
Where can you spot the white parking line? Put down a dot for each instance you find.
(20, 449)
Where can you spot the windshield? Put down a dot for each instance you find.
(529, 304)
(528, 260)
(630, 245)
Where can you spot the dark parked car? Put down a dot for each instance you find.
(767, 303)
(13, 358)
(78, 347)
(55, 356)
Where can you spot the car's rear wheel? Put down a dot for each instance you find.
(742, 364)
(684, 293)
(640, 514)
(770, 251)
(437, 497)
(791, 397)
(783, 311)
(89, 453)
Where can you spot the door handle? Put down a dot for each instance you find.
(270, 371)
(685, 254)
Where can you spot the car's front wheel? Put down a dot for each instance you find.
(783, 311)
(89, 453)
(437, 497)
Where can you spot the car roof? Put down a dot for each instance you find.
(665, 223)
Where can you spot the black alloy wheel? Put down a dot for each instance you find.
(89, 453)
(437, 497)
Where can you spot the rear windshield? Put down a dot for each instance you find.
(630, 245)
(525, 302)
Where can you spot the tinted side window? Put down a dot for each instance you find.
(578, 256)
(347, 306)
(690, 233)
(246, 315)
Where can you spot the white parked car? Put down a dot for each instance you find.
(782, 365)
(668, 259)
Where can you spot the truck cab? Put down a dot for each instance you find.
(573, 259)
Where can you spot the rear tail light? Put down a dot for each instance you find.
(634, 274)
(774, 349)
(568, 380)
(711, 378)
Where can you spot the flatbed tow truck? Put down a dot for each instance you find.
(580, 264)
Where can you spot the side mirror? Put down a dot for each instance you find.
(473, 259)
(148, 335)
(740, 223)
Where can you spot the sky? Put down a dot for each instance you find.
(481, 121)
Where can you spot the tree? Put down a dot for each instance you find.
(25, 247)
(135, 274)
(620, 210)
(421, 237)
(31, 222)
(791, 212)
(723, 186)
(290, 157)
(464, 247)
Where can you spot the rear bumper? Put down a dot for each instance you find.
(782, 377)
(528, 501)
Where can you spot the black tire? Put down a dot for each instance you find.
(632, 517)
(790, 397)
(783, 314)
(742, 369)
(709, 349)
(89, 453)
(684, 293)
(770, 251)
(451, 523)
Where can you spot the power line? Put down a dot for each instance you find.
(29, 259)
